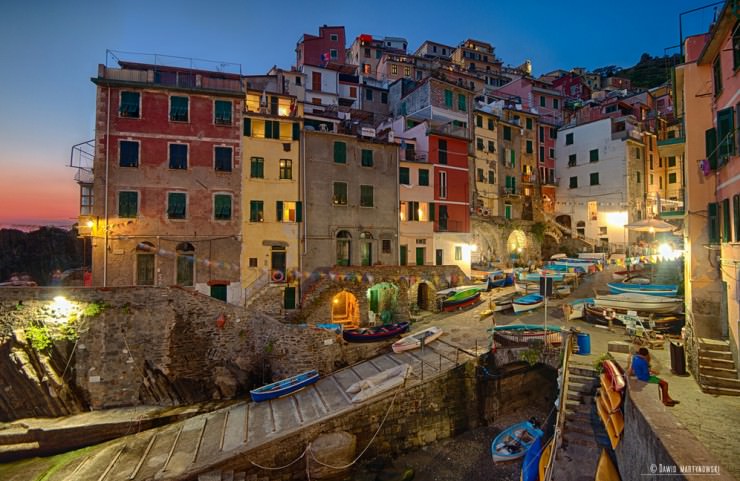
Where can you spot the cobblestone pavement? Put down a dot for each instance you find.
(712, 419)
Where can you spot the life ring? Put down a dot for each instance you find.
(486, 212)
(278, 276)
(480, 210)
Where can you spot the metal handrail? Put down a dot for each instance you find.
(560, 419)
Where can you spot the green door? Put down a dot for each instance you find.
(420, 256)
(404, 255)
(438, 257)
(374, 300)
(218, 291)
(289, 298)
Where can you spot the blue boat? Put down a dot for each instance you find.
(664, 290)
(535, 277)
(514, 442)
(286, 386)
(500, 279)
(527, 303)
(565, 268)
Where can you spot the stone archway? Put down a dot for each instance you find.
(382, 299)
(345, 310)
(550, 245)
(422, 295)
(488, 237)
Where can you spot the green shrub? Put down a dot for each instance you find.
(39, 337)
(94, 309)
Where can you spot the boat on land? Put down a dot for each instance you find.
(565, 268)
(376, 333)
(605, 469)
(500, 279)
(378, 383)
(527, 303)
(461, 299)
(514, 442)
(285, 386)
(577, 307)
(661, 323)
(536, 276)
(637, 301)
(413, 341)
(523, 333)
(526, 287)
(503, 302)
(664, 290)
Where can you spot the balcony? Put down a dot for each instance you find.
(413, 156)
(510, 192)
(449, 226)
(529, 178)
(673, 134)
(449, 129)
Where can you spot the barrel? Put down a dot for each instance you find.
(584, 343)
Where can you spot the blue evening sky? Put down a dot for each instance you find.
(49, 50)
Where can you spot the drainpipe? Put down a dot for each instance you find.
(302, 248)
(105, 199)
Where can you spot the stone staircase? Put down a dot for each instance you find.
(583, 435)
(223, 476)
(269, 301)
(717, 370)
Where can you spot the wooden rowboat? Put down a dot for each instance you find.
(614, 374)
(665, 290)
(378, 383)
(637, 301)
(413, 341)
(605, 470)
(527, 303)
(524, 333)
(461, 299)
(374, 334)
(513, 442)
(286, 386)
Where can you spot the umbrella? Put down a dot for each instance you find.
(651, 225)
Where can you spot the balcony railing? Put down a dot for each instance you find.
(449, 226)
(510, 191)
(412, 156)
(529, 178)
(449, 129)
(673, 134)
(188, 80)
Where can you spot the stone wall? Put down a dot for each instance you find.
(163, 346)
(655, 445)
(451, 404)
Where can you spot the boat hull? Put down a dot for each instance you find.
(527, 303)
(285, 386)
(639, 302)
(513, 442)
(461, 299)
(413, 341)
(666, 290)
(375, 334)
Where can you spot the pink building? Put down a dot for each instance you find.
(538, 95)
(327, 47)
(572, 85)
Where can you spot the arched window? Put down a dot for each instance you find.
(344, 244)
(145, 262)
(185, 259)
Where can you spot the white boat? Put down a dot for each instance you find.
(378, 383)
(639, 302)
(503, 302)
(413, 341)
(576, 308)
(527, 303)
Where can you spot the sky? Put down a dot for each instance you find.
(50, 49)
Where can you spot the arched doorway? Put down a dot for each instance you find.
(423, 293)
(382, 300)
(366, 249)
(344, 244)
(564, 220)
(185, 264)
(516, 245)
(345, 310)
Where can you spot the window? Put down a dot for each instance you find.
(185, 264)
(717, 74)
(178, 156)
(247, 127)
(411, 210)
(176, 205)
(130, 105)
(491, 146)
(86, 199)
(222, 207)
(289, 211)
(652, 179)
(368, 94)
(272, 129)
(448, 98)
(403, 176)
(490, 124)
(543, 101)
(507, 132)
(458, 253)
(660, 162)
(423, 177)
(286, 169)
(491, 177)
(555, 103)
(529, 147)
(553, 133)
(462, 103)
(552, 153)
(481, 176)
(602, 230)
(529, 123)
(386, 246)
(383, 97)
(726, 220)
(479, 143)
(366, 196)
(736, 46)
(725, 134)
(671, 161)
(573, 182)
(443, 185)
(367, 158)
(340, 152)
(222, 112)
(713, 222)
(710, 142)
(542, 154)
(572, 160)
(316, 81)
(542, 134)
(394, 69)
(569, 139)
(593, 155)
(478, 121)
(179, 109)
(340, 193)
(638, 176)
(256, 211)
(672, 178)
(332, 53)
(442, 146)
(128, 204)
(128, 155)
(595, 178)
(507, 211)
(660, 182)
(407, 71)
(736, 216)
(252, 262)
(650, 162)
(257, 168)
(334, 37)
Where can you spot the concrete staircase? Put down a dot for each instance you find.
(583, 435)
(717, 370)
(222, 476)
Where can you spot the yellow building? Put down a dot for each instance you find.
(272, 210)
(485, 174)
